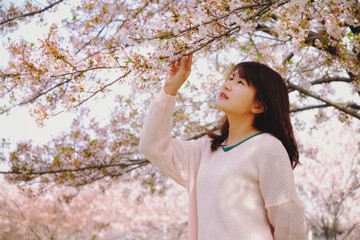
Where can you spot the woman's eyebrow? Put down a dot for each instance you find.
(231, 75)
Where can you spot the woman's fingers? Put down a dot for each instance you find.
(185, 64)
(181, 65)
(177, 74)
(178, 63)
(172, 67)
(187, 61)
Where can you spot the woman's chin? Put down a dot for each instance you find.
(219, 105)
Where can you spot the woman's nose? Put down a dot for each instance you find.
(227, 86)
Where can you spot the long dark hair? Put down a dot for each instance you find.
(272, 93)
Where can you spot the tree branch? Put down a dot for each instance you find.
(102, 88)
(344, 108)
(299, 109)
(331, 79)
(133, 164)
(44, 92)
(90, 167)
(262, 6)
(310, 39)
(30, 13)
(89, 42)
(326, 80)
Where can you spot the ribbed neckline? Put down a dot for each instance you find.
(228, 148)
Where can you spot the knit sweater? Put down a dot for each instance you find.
(245, 193)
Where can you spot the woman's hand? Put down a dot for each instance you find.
(177, 74)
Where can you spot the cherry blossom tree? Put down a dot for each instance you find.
(329, 181)
(101, 45)
(99, 48)
(104, 43)
(122, 211)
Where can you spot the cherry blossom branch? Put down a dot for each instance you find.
(96, 92)
(44, 92)
(230, 31)
(264, 6)
(129, 165)
(331, 79)
(37, 96)
(300, 109)
(326, 80)
(212, 39)
(310, 39)
(103, 88)
(89, 42)
(258, 53)
(79, 169)
(112, 174)
(79, 72)
(250, 6)
(342, 107)
(30, 13)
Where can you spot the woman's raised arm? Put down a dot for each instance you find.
(177, 159)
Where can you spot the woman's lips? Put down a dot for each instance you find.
(223, 95)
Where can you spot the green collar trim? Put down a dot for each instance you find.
(228, 148)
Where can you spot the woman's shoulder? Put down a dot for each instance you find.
(269, 144)
(271, 151)
(268, 138)
(201, 143)
(204, 141)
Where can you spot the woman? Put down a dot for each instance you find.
(240, 181)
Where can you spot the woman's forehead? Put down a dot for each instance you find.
(236, 72)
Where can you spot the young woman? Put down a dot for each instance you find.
(240, 180)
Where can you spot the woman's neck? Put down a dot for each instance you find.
(240, 128)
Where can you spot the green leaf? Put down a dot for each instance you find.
(56, 161)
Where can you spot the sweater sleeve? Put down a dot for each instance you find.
(284, 208)
(173, 157)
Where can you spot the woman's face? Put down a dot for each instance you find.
(237, 96)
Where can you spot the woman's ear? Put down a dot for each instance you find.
(258, 108)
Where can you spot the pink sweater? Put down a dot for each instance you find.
(246, 193)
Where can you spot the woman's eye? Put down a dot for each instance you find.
(241, 82)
